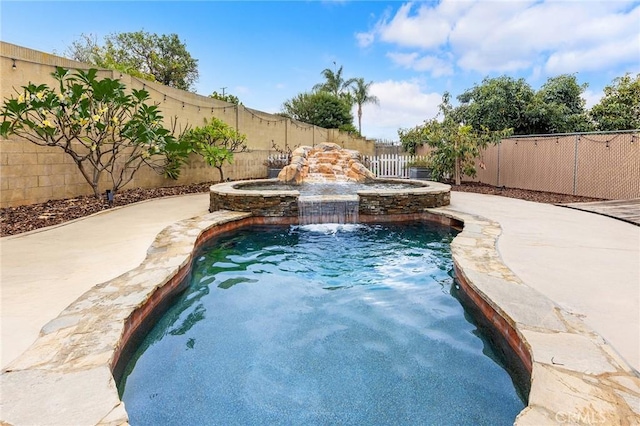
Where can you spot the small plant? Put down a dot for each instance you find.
(420, 162)
(215, 142)
(276, 162)
(281, 159)
(177, 151)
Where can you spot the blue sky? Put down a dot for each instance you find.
(266, 52)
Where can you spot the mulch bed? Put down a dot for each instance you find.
(523, 194)
(16, 220)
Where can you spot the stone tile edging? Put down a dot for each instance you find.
(576, 377)
(66, 376)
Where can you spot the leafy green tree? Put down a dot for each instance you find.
(497, 104)
(564, 90)
(336, 85)
(349, 128)
(232, 99)
(215, 142)
(163, 57)
(320, 108)
(361, 96)
(455, 146)
(104, 129)
(411, 139)
(558, 107)
(87, 49)
(619, 109)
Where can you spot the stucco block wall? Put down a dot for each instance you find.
(32, 174)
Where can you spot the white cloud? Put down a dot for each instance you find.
(403, 104)
(595, 58)
(427, 29)
(365, 39)
(437, 66)
(512, 36)
(591, 98)
(485, 63)
(406, 60)
(512, 39)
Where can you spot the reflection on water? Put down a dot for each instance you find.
(320, 324)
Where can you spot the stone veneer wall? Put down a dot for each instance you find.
(374, 202)
(377, 203)
(278, 205)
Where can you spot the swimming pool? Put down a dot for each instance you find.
(321, 324)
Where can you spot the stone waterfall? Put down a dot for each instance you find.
(327, 164)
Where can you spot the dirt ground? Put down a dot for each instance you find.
(16, 220)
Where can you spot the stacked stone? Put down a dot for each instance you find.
(372, 203)
(325, 162)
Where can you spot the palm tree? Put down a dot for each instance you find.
(335, 84)
(361, 96)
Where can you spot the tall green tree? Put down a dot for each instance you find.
(619, 109)
(163, 57)
(455, 146)
(361, 96)
(103, 128)
(320, 108)
(497, 104)
(336, 84)
(87, 49)
(558, 107)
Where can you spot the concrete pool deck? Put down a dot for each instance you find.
(586, 263)
(43, 271)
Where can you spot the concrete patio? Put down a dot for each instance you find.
(587, 264)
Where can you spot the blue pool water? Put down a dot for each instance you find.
(320, 325)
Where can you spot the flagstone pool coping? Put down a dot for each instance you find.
(67, 375)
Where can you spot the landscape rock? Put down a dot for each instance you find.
(326, 162)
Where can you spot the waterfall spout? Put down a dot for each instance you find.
(328, 209)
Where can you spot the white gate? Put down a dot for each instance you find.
(390, 165)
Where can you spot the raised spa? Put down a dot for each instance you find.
(320, 324)
(379, 200)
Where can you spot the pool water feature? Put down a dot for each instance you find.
(336, 202)
(314, 209)
(325, 162)
(320, 324)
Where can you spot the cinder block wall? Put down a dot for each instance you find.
(32, 174)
